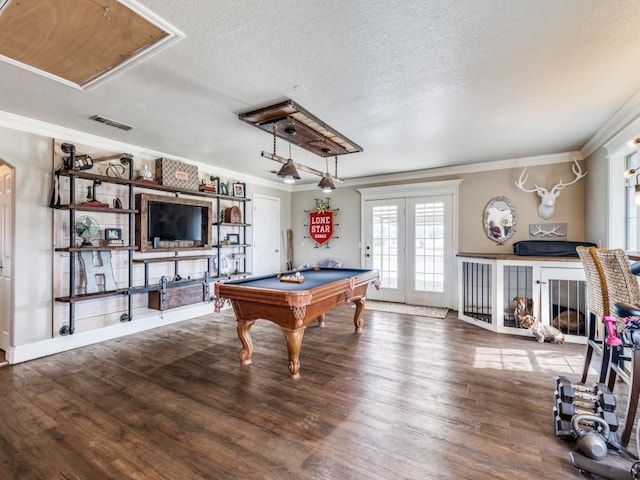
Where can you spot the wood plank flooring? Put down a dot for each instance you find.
(409, 398)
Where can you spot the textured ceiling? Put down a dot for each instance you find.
(418, 84)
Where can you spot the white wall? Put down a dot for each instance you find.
(31, 155)
(596, 192)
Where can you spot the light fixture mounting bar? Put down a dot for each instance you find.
(311, 133)
(299, 166)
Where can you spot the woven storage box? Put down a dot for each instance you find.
(173, 173)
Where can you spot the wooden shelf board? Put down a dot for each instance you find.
(89, 208)
(172, 259)
(92, 296)
(93, 249)
(151, 186)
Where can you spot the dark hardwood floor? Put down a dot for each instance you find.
(409, 398)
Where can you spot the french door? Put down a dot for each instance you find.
(411, 241)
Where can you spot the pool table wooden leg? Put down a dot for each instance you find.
(294, 343)
(321, 320)
(244, 333)
(357, 318)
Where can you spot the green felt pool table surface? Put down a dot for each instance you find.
(312, 278)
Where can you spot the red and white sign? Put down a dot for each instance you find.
(321, 225)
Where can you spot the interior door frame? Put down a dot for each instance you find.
(257, 197)
(9, 310)
(411, 190)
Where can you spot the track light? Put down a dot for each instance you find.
(628, 175)
(633, 143)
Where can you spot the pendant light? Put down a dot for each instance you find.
(288, 172)
(326, 182)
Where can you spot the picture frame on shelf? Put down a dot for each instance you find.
(238, 189)
(111, 234)
(233, 238)
(222, 188)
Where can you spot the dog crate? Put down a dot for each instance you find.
(488, 286)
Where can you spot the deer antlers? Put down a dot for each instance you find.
(546, 209)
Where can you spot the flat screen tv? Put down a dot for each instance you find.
(172, 223)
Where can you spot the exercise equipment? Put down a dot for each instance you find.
(599, 394)
(593, 443)
(587, 465)
(566, 411)
(612, 338)
(599, 402)
(596, 400)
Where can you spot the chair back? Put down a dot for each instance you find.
(597, 293)
(622, 285)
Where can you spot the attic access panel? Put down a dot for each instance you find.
(80, 43)
(311, 133)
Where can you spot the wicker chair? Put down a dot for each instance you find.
(622, 286)
(598, 305)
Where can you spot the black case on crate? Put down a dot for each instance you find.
(548, 248)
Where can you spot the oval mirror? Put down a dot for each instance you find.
(499, 220)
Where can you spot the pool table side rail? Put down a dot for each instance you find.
(254, 303)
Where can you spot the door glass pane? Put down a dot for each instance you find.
(429, 247)
(385, 244)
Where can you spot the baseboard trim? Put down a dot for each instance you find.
(44, 348)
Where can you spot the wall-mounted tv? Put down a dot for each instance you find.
(172, 223)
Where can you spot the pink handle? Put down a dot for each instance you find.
(612, 339)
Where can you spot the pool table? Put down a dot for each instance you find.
(293, 305)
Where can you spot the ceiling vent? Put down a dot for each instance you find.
(111, 123)
(80, 43)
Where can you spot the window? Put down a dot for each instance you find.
(631, 209)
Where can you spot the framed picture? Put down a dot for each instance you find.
(113, 234)
(238, 189)
(233, 238)
(222, 188)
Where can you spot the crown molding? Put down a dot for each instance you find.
(629, 112)
(518, 162)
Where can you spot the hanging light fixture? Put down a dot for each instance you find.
(629, 174)
(288, 172)
(326, 182)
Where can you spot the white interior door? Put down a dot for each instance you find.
(6, 249)
(385, 247)
(266, 235)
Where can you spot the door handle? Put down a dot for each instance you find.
(277, 250)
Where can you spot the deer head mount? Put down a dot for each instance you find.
(546, 209)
